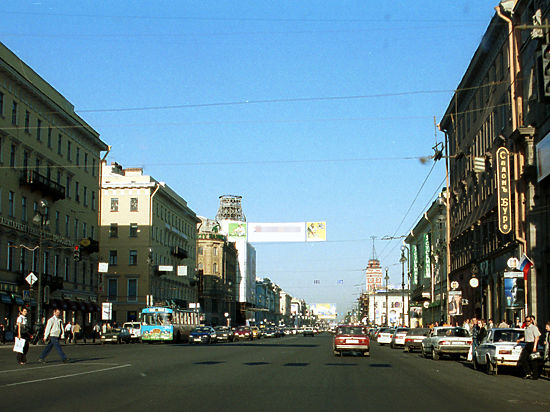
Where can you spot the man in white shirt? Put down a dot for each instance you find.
(531, 338)
(54, 331)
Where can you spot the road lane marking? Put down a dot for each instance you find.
(22, 369)
(67, 376)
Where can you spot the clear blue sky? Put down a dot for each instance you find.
(339, 152)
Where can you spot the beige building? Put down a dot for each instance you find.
(217, 262)
(49, 175)
(148, 238)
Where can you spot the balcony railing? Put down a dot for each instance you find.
(47, 187)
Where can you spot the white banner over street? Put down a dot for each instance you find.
(287, 232)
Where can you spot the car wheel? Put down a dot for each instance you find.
(424, 352)
(492, 368)
(392, 345)
(475, 363)
(435, 355)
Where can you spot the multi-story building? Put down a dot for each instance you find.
(217, 261)
(49, 191)
(267, 302)
(388, 307)
(285, 307)
(148, 238)
(427, 268)
(494, 124)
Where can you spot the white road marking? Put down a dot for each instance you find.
(23, 369)
(67, 376)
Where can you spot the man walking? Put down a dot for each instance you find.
(54, 331)
(531, 338)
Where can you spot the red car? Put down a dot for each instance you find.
(352, 339)
(243, 332)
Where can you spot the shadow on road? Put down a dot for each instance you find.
(208, 363)
(256, 363)
(380, 365)
(296, 364)
(340, 364)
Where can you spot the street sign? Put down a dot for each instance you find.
(31, 278)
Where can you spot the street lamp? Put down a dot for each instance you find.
(403, 260)
(387, 278)
(41, 218)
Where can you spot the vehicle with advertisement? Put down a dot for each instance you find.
(350, 338)
(164, 324)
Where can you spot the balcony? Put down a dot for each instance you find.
(42, 184)
(179, 252)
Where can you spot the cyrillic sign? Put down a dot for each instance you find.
(504, 191)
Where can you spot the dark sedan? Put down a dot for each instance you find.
(116, 335)
(203, 334)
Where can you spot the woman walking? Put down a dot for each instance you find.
(22, 329)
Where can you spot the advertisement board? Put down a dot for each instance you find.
(276, 232)
(543, 158)
(514, 290)
(455, 302)
(316, 231)
(236, 230)
(324, 310)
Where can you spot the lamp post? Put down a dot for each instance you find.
(40, 217)
(387, 278)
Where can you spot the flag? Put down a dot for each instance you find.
(340, 282)
(524, 265)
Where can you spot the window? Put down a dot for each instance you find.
(113, 230)
(13, 150)
(201, 250)
(38, 129)
(67, 268)
(77, 156)
(113, 257)
(46, 263)
(11, 249)
(93, 200)
(93, 167)
(23, 260)
(59, 142)
(84, 230)
(24, 209)
(215, 251)
(76, 192)
(35, 260)
(68, 151)
(133, 204)
(68, 187)
(75, 232)
(56, 265)
(112, 287)
(132, 290)
(114, 204)
(57, 218)
(215, 267)
(49, 137)
(85, 193)
(14, 114)
(86, 162)
(133, 229)
(1, 104)
(133, 258)
(67, 223)
(11, 200)
(27, 120)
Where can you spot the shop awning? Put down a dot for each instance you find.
(5, 298)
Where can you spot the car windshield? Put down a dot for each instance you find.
(401, 330)
(351, 330)
(162, 319)
(507, 335)
(418, 332)
(455, 332)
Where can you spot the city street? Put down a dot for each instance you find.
(291, 373)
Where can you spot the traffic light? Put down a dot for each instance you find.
(76, 253)
(546, 70)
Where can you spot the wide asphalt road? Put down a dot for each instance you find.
(294, 373)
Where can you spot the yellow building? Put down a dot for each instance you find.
(49, 182)
(148, 238)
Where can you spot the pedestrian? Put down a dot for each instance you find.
(466, 325)
(22, 330)
(490, 324)
(547, 349)
(2, 332)
(531, 338)
(68, 332)
(503, 324)
(95, 332)
(54, 331)
(76, 332)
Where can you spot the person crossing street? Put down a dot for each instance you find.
(54, 331)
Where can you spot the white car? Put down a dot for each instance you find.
(398, 338)
(498, 349)
(135, 330)
(447, 340)
(384, 335)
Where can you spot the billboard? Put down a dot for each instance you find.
(276, 232)
(543, 158)
(324, 310)
(514, 289)
(316, 231)
(236, 230)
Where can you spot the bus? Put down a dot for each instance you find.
(163, 324)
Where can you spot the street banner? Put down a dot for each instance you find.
(514, 287)
(324, 310)
(276, 232)
(455, 302)
(316, 231)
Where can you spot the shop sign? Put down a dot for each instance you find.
(503, 191)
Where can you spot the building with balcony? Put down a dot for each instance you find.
(217, 262)
(148, 238)
(49, 191)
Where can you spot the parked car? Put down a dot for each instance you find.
(446, 340)
(414, 338)
(203, 334)
(398, 338)
(309, 331)
(224, 333)
(243, 332)
(384, 335)
(270, 333)
(498, 349)
(256, 332)
(135, 330)
(350, 338)
(116, 335)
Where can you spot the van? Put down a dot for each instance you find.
(135, 330)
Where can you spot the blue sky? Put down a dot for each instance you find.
(309, 110)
